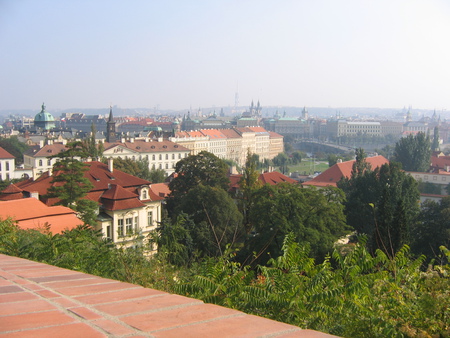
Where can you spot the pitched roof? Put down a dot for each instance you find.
(332, 175)
(275, 177)
(11, 192)
(47, 150)
(32, 213)
(159, 190)
(230, 133)
(118, 198)
(440, 162)
(271, 178)
(213, 133)
(4, 154)
(273, 134)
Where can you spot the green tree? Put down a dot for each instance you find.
(69, 186)
(13, 146)
(382, 203)
(414, 152)
(216, 220)
(433, 228)
(435, 145)
(248, 183)
(315, 217)
(94, 150)
(157, 175)
(204, 168)
(297, 157)
(281, 161)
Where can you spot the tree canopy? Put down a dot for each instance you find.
(382, 203)
(13, 146)
(413, 152)
(315, 217)
(204, 168)
(69, 185)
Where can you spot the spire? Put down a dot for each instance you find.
(110, 114)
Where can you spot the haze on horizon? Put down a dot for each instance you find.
(181, 54)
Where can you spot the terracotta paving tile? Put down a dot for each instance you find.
(67, 331)
(146, 304)
(240, 326)
(47, 293)
(85, 313)
(22, 281)
(119, 295)
(64, 302)
(113, 328)
(181, 316)
(76, 275)
(17, 297)
(77, 282)
(96, 288)
(43, 273)
(4, 282)
(33, 287)
(34, 320)
(10, 289)
(306, 334)
(25, 307)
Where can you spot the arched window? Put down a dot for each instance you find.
(40, 163)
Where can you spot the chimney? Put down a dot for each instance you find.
(41, 143)
(339, 160)
(50, 171)
(160, 139)
(110, 164)
(34, 194)
(131, 139)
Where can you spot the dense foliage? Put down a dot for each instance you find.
(69, 185)
(350, 295)
(414, 152)
(381, 203)
(13, 146)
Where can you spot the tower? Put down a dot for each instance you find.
(110, 128)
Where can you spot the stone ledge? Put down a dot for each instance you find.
(40, 300)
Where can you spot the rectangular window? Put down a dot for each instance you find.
(160, 156)
(49, 162)
(108, 231)
(129, 225)
(120, 227)
(7, 165)
(136, 224)
(149, 219)
(434, 178)
(173, 156)
(444, 178)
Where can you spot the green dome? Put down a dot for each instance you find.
(44, 116)
(44, 120)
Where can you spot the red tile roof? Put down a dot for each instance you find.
(230, 133)
(274, 178)
(332, 175)
(47, 150)
(271, 178)
(159, 190)
(118, 198)
(213, 134)
(11, 192)
(273, 134)
(32, 213)
(4, 154)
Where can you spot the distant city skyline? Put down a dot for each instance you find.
(181, 54)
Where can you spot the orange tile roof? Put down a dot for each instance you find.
(271, 178)
(11, 192)
(258, 129)
(273, 134)
(332, 175)
(32, 213)
(118, 198)
(275, 177)
(230, 133)
(160, 190)
(4, 154)
(213, 133)
(50, 149)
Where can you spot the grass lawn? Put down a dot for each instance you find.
(308, 167)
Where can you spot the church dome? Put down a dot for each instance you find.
(44, 120)
(44, 116)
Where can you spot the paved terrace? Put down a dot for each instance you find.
(40, 300)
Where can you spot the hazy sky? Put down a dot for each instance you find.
(195, 53)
